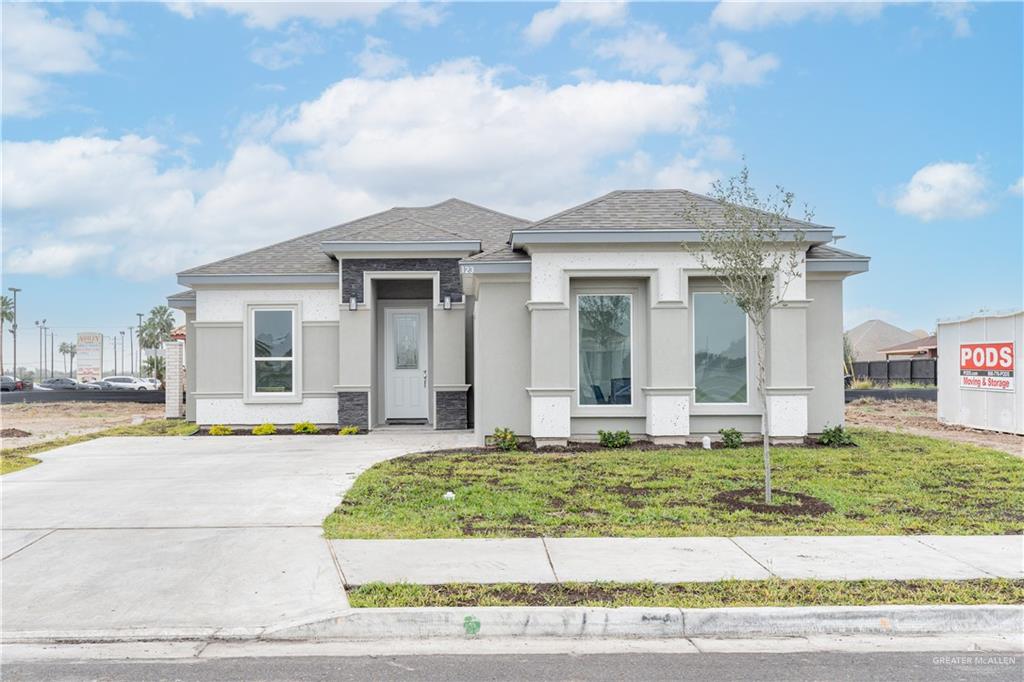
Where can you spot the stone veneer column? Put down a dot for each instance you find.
(174, 354)
(787, 370)
(551, 362)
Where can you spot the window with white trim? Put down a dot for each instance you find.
(719, 349)
(605, 348)
(273, 361)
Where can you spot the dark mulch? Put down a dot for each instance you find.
(784, 502)
(574, 447)
(13, 433)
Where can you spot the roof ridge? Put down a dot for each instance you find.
(411, 219)
(482, 208)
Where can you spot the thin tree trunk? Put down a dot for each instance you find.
(762, 380)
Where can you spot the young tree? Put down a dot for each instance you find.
(6, 315)
(755, 250)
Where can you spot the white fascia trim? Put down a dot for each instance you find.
(494, 267)
(539, 236)
(466, 247)
(183, 304)
(852, 265)
(299, 278)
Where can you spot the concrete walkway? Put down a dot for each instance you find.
(663, 560)
(182, 533)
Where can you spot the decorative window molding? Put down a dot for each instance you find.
(696, 331)
(265, 361)
(604, 391)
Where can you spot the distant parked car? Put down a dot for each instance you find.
(128, 384)
(25, 385)
(8, 384)
(65, 384)
(153, 382)
(103, 385)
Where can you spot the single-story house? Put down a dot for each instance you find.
(458, 316)
(927, 347)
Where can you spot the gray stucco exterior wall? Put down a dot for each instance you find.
(352, 270)
(501, 337)
(825, 353)
(219, 359)
(319, 357)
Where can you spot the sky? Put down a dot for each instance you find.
(143, 139)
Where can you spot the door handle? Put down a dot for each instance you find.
(424, 378)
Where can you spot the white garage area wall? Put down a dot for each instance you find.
(221, 356)
(979, 408)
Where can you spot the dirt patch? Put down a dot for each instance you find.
(918, 417)
(784, 502)
(13, 433)
(47, 421)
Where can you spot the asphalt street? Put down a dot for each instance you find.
(837, 666)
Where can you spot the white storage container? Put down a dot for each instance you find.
(977, 371)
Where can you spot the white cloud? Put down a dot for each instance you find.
(546, 24)
(38, 47)
(646, 49)
(1017, 187)
(739, 67)
(747, 16)
(131, 206)
(287, 52)
(956, 14)
(271, 15)
(944, 190)
(376, 60)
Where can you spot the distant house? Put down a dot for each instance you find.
(918, 348)
(869, 339)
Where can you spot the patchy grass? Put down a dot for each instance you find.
(693, 595)
(14, 459)
(890, 484)
(11, 463)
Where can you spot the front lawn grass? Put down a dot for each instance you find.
(14, 459)
(890, 484)
(693, 595)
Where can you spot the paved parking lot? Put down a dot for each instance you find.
(182, 533)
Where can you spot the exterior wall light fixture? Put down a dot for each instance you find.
(352, 304)
(447, 302)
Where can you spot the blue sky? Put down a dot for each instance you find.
(142, 139)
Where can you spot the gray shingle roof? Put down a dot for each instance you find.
(448, 220)
(643, 209)
(503, 253)
(824, 251)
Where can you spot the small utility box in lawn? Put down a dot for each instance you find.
(977, 367)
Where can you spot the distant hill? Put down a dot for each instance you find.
(868, 337)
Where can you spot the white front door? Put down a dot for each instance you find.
(405, 363)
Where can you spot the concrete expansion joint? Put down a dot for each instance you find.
(547, 553)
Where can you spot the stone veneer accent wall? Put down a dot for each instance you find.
(353, 409)
(452, 410)
(352, 270)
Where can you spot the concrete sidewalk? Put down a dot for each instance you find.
(664, 560)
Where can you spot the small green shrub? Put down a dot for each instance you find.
(264, 430)
(348, 430)
(731, 438)
(220, 430)
(862, 384)
(506, 439)
(835, 437)
(305, 427)
(614, 439)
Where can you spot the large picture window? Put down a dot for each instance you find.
(273, 359)
(719, 349)
(605, 323)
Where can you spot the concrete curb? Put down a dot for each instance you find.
(654, 623)
(575, 622)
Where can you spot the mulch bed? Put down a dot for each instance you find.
(13, 433)
(784, 502)
(574, 447)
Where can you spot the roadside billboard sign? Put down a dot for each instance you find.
(987, 366)
(89, 356)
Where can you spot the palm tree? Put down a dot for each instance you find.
(154, 366)
(72, 351)
(157, 328)
(6, 315)
(64, 349)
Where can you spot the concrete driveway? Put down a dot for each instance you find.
(182, 534)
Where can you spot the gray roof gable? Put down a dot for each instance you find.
(644, 209)
(448, 220)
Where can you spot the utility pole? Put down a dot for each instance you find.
(14, 330)
(53, 337)
(122, 351)
(131, 348)
(40, 325)
(113, 339)
(139, 328)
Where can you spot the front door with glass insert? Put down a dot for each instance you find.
(405, 363)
